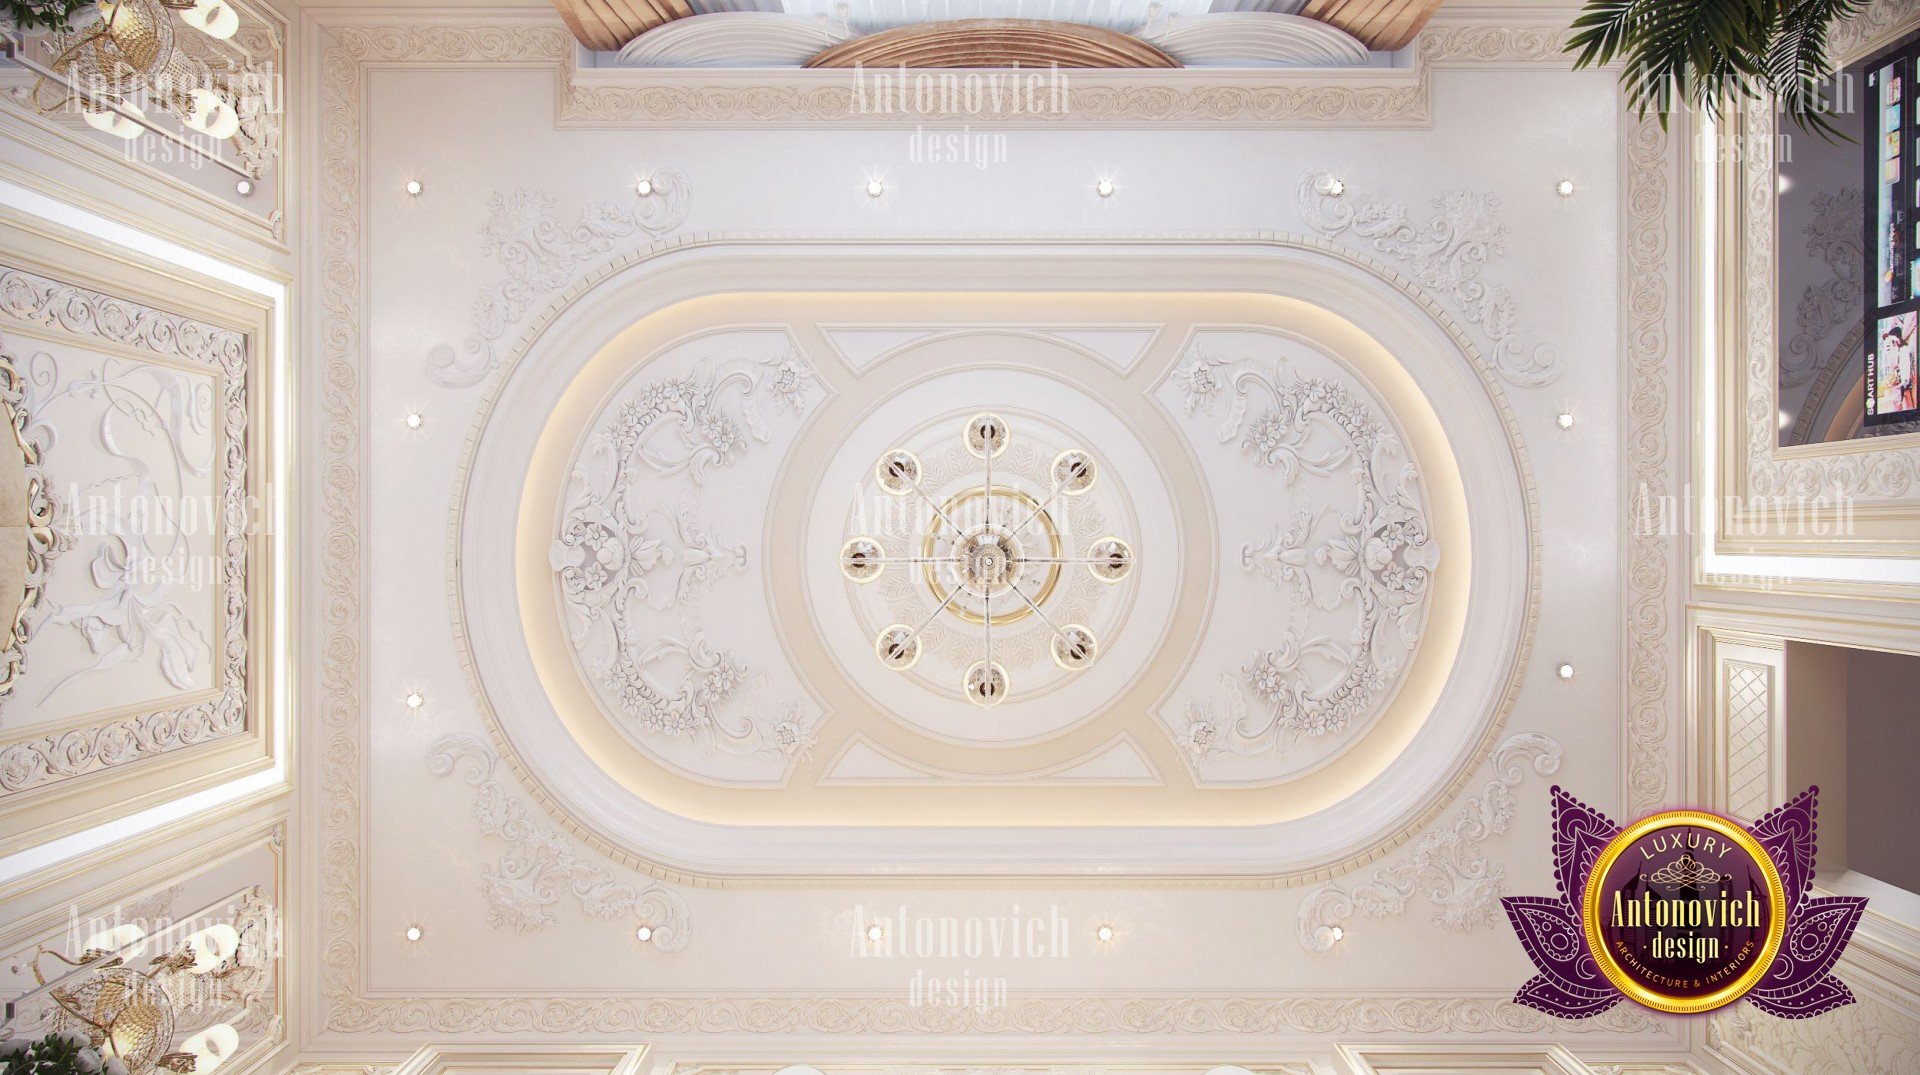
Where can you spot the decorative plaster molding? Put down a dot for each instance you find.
(1873, 29)
(1867, 1036)
(1650, 456)
(1446, 862)
(130, 615)
(1264, 1017)
(541, 256)
(1832, 235)
(541, 864)
(1447, 255)
(36, 530)
(1466, 43)
(1377, 560)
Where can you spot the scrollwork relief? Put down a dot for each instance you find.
(541, 255)
(541, 864)
(1446, 863)
(37, 527)
(621, 559)
(1447, 255)
(1832, 235)
(1366, 553)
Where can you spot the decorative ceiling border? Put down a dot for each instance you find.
(338, 688)
(625, 97)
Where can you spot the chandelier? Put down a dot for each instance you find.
(123, 53)
(989, 555)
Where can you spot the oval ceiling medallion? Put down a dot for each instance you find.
(995, 43)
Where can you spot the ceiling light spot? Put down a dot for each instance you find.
(415, 419)
(1565, 420)
(1564, 188)
(1565, 671)
(415, 699)
(1105, 933)
(875, 188)
(644, 188)
(415, 188)
(1104, 188)
(414, 933)
(644, 934)
(244, 188)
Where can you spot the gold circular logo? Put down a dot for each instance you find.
(1684, 911)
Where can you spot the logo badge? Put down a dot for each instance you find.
(1684, 911)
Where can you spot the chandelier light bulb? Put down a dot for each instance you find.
(215, 18)
(862, 559)
(985, 684)
(987, 436)
(898, 647)
(898, 471)
(1074, 647)
(212, 114)
(107, 121)
(212, 947)
(1074, 472)
(1110, 559)
(212, 1047)
(1565, 671)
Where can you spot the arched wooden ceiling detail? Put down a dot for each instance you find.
(605, 25)
(1381, 25)
(995, 43)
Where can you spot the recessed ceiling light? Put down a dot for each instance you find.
(244, 188)
(415, 419)
(1332, 187)
(1105, 933)
(644, 933)
(1564, 188)
(644, 187)
(875, 188)
(415, 188)
(1565, 671)
(1104, 188)
(414, 933)
(1565, 420)
(415, 699)
(1336, 933)
(875, 932)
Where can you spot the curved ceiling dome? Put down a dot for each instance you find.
(1316, 629)
(733, 39)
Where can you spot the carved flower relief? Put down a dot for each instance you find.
(1354, 560)
(631, 564)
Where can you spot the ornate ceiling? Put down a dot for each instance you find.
(681, 637)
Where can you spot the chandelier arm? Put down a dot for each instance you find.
(988, 598)
(942, 607)
(936, 508)
(1038, 511)
(988, 500)
(1036, 611)
(919, 559)
(1061, 560)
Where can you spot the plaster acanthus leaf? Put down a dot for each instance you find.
(1447, 255)
(1833, 239)
(541, 864)
(541, 256)
(1868, 1036)
(1370, 557)
(133, 614)
(1446, 862)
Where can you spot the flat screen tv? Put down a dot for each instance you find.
(1893, 230)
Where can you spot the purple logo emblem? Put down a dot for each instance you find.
(1684, 911)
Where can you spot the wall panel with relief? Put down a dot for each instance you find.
(135, 669)
(1890, 390)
